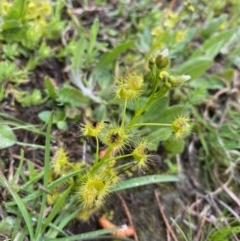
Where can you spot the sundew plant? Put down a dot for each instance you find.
(93, 185)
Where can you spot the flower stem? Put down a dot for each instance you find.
(117, 158)
(152, 124)
(124, 113)
(103, 159)
(97, 150)
(139, 112)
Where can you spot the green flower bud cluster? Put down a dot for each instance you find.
(159, 59)
(172, 80)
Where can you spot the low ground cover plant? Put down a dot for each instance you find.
(97, 98)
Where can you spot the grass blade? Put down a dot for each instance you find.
(56, 208)
(25, 214)
(64, 178)
(63, 219)
(93, 36)
(140, 181)
(45, 178)
(85, 236)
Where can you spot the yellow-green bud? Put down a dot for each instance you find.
(91, 128)
(173, 80)
(140, 154)
(92, 191)
(168, 85)
(134, 82)
(60, 162)
(151, 61)
(177, 81)
(124, 93)
(115, 137)
(182, 79)
(181, 127)
(162, 59)
(164, 75)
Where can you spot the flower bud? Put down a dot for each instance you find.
(92, 191)
(94, 188)
(183, 78)
(60, 162)
(164, 75)
(134, 82)
(181, 127)
(91, 128)
(159, 58)
(124, 93)
(140, 154)
(168, 85)
(151, 61)
(177, 81)
(115, 137)
(162, 59)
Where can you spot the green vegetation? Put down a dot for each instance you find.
(93, 93)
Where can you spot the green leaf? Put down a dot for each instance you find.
(174, 146)
(56, 208)
(7, 137)
(62, 125)
(232, 45)
(2, 92)
(140, 181)
(50, 88)
(78, 57)
(171, 113)
(38, 229)
(85, 236)
(6, 225)
(109, 58)
(202, 59)
(45, 116)
(62, 220)
(15, 34)
(12, 24)
(224, 233)
(31, 197)
(212, 47)
(36, 97)
(208, 83)
(17, 227)
(64, 178)
(17, 10)
(72, 96)
(93, 36)
(213, 24)
(72, 112)
(25, 214)
(158, 135)
(195, 67)
(155, 110)
(27, 99)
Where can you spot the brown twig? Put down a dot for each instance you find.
(226, 189)
(127, 214)
(163, 216)
(198, 236)
(168, 235)
(37, 163)
(229, 192)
